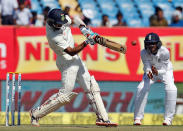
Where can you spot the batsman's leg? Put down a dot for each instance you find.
(170, 98)
(52, 104)
(93, 93)
(64, 96)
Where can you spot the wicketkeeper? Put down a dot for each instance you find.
(72, 68)
(157, 66)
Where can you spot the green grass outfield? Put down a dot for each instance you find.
(89, 128)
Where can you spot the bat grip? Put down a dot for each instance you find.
(100, 40)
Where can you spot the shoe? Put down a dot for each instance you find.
(137, 122)
(106, 123)
(167, 122)
(34, 121)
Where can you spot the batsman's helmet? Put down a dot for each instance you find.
(56, 18)
(152, 39)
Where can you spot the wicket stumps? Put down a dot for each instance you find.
(12, 102)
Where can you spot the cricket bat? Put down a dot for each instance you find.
(110, 44)
(101, 40)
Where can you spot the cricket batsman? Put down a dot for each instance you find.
(72, 68)
(157, 66)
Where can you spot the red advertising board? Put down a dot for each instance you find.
(7, 52)
(36, 61)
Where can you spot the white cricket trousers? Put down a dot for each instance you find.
(143, 91)
(72, 71)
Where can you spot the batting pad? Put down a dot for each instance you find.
(97, 100)
(53, 103)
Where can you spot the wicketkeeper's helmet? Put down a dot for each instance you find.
(152, 39)
(56, 18)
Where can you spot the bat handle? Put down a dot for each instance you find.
(123, 49)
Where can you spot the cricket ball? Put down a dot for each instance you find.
(134, 42)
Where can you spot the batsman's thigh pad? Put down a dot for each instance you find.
(53, 103)
(83, 77)
(96, 100)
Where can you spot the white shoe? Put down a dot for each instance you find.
(137, 122)
(167, 122)
(34, 121)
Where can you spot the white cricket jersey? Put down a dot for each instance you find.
(58, 41)
(161, 60)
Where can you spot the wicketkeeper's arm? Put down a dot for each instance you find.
(145, 61)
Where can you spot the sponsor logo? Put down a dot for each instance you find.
(62, 17)
(3, 56)
(35, 53)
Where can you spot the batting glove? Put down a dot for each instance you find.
(87, 32)
(90, 41)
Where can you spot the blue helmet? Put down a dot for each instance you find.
(152, 39)
(56, 18)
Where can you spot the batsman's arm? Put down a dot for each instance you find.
(77, 49)
(89, 34)
(61, 45)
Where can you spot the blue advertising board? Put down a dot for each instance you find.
(117, 96)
